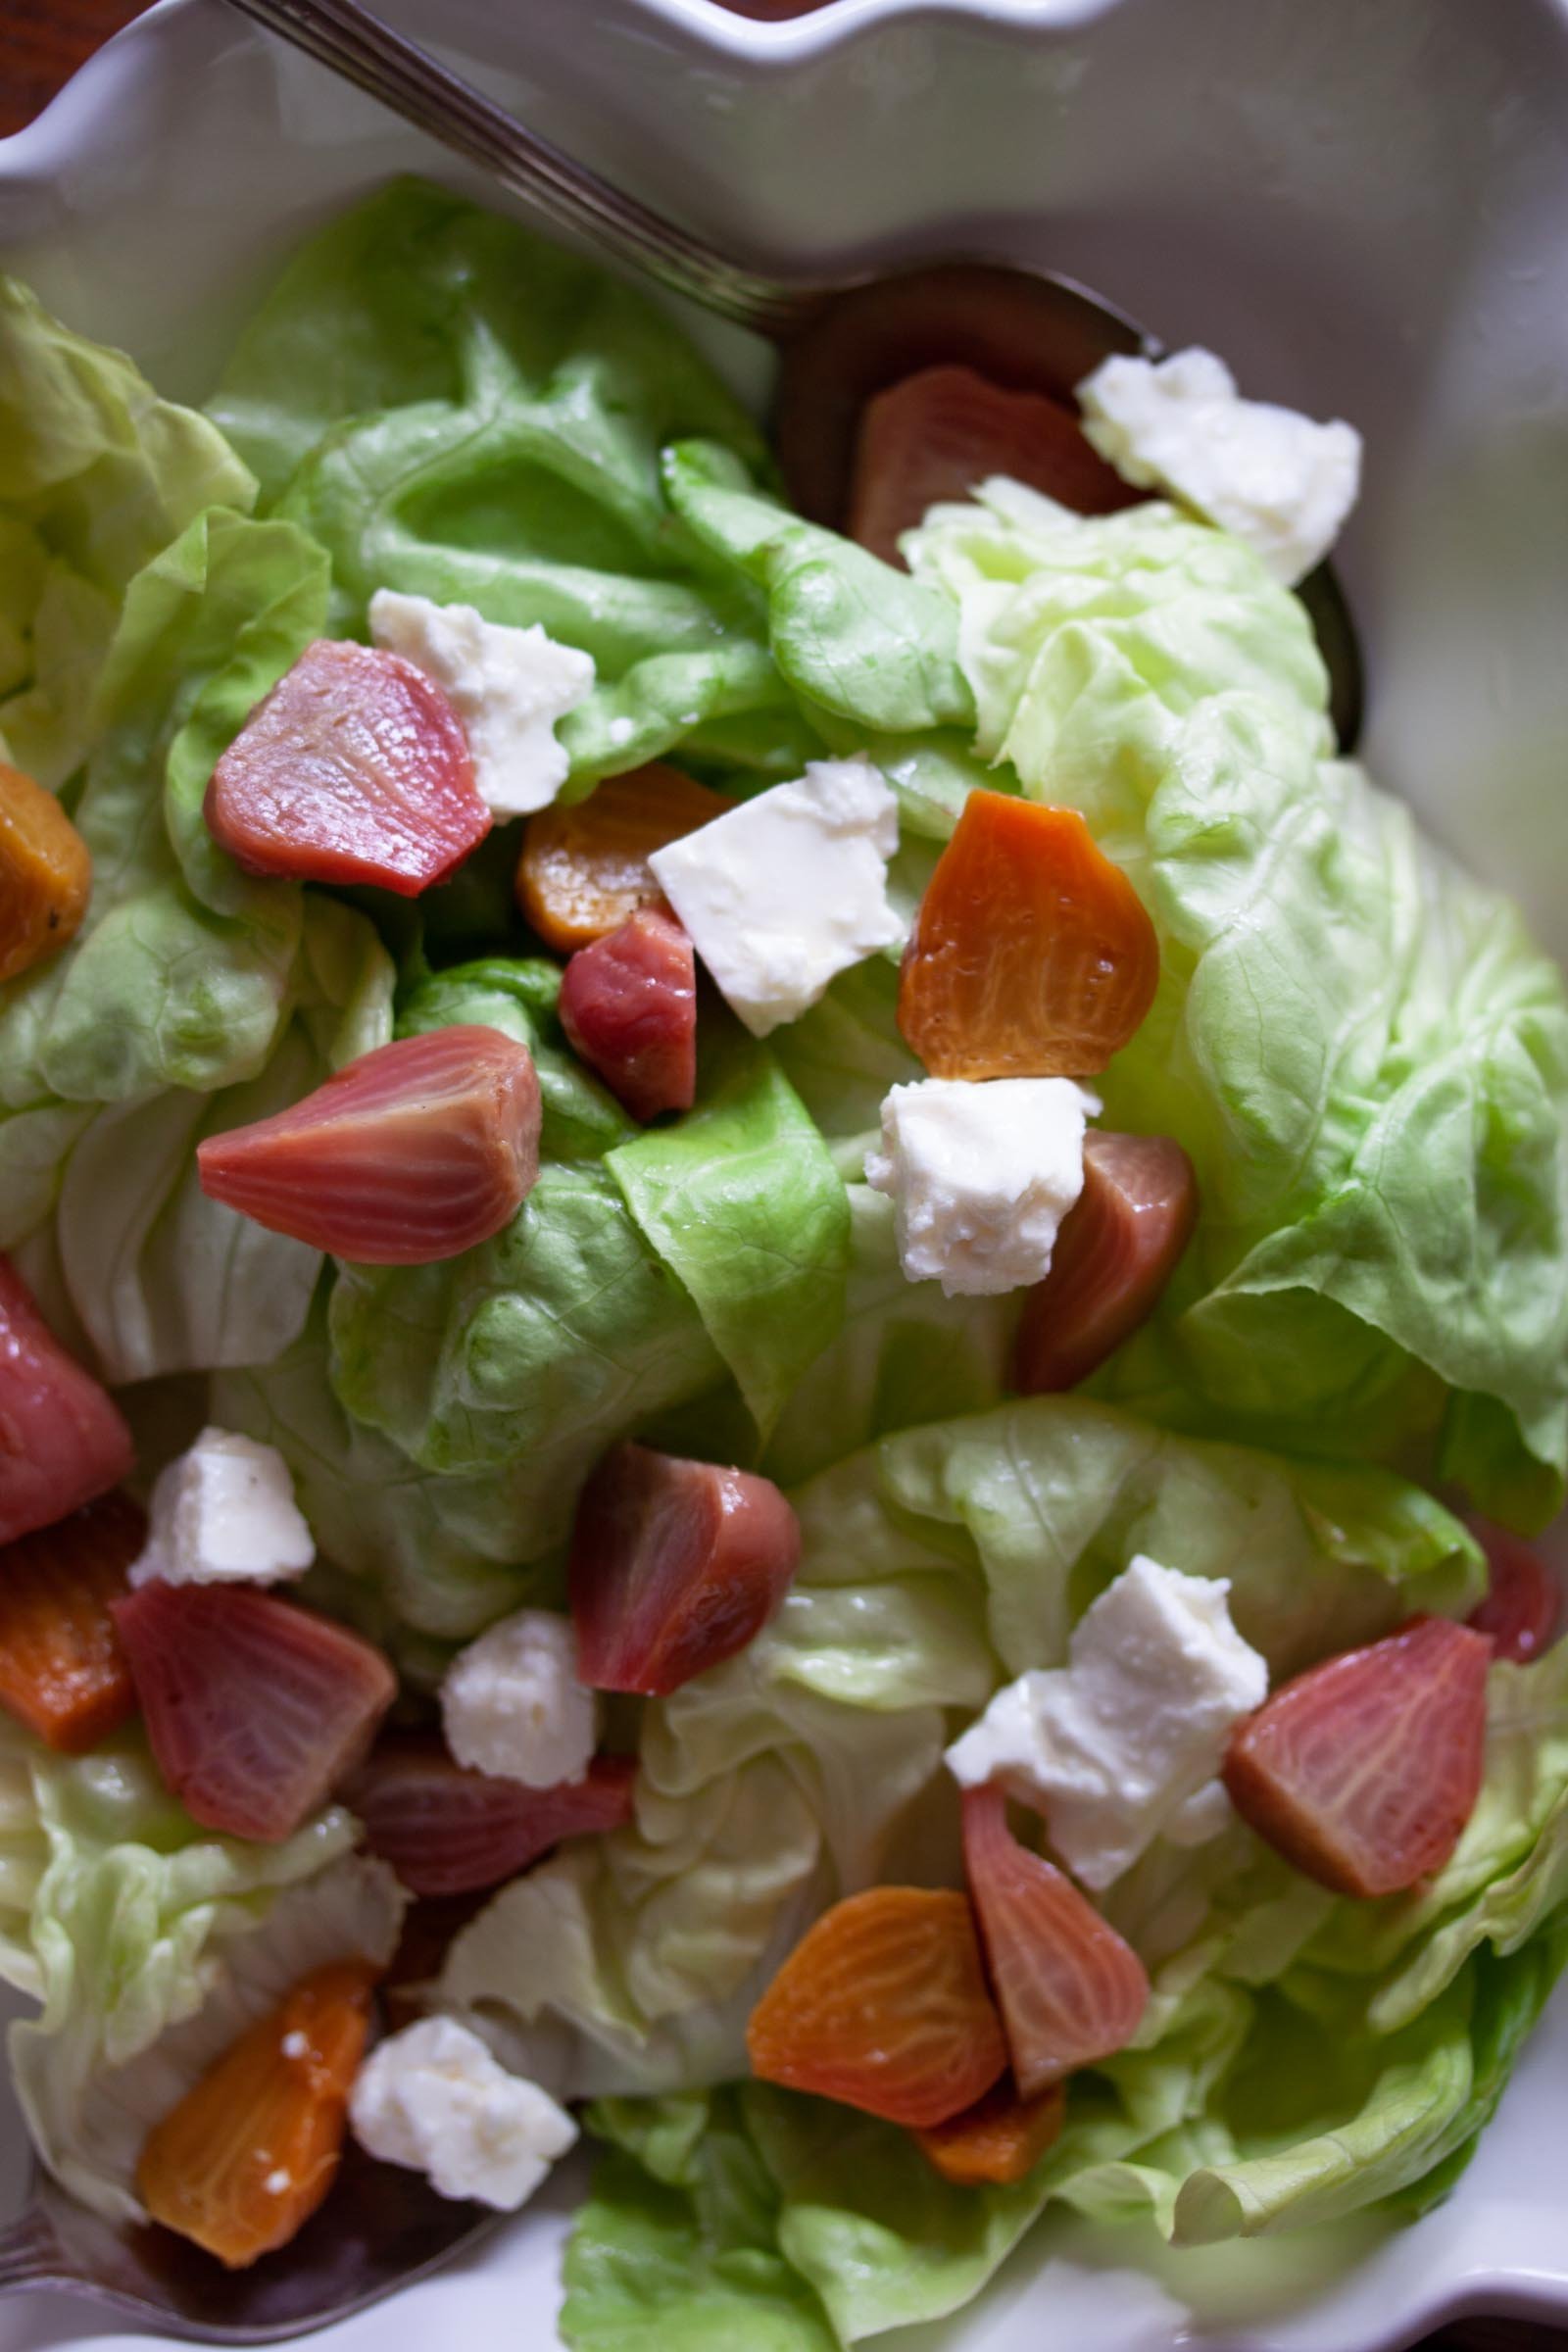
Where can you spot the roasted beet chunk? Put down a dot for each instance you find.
(446, 1830)
(1070, 1990)
(62, 1672)
(1117, 1248)
(941, 434)
(413, 1153)
(355, 768)
(61, 1438)
(255, 1708)
(628, 1003)
(674, 1566)
(1364, 1771)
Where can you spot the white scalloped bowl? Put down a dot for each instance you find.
(1366, 211)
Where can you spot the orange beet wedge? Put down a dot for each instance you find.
(883, 2005)
(1364, 1770)
(998, 2139)
(62, 1672)
(247, 2155)
(584, 869)
(1070, 1989)
(1032, 955)
(1117, 1248)
(414, 1151)
(45, 874)
(939, 433)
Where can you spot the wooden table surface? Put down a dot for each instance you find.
(41, 42)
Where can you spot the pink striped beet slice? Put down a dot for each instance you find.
(1364, 1770)
(1070, 1989)
(413, 1153)
(355, 768)
(255, 1707)
(448, 1831)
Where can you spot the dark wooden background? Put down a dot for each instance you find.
(41, 42)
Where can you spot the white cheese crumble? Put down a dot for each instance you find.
(1113, 1745)
(508, 686)
(790, 889)
(512, 1706)
(223, 1512)
(1201, 1817)
(433, 2097)
(982, 1176)
(1277, 479)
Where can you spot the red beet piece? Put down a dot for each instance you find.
(1364, 1770)
(447, 1831)
(1523, 1607)
(413, 1153)
(1117, 1248)
(939, 434)
(61, 1438)
(1070, 1989)
(674, 1566)
(256, 1708)
(355, 768)
(628, 1003)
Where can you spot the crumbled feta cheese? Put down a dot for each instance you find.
(508, 686)
(513, 1705)
(1113, 1745)
(433, 2097)
(982, 1176)
(1277, 479)
(222, 1514)
(788, 890)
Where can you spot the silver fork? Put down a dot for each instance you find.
(381, 2228)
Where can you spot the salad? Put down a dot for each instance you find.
(783, 1313)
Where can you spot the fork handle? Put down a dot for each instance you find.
(346, 39)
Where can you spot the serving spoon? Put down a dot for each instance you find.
(840, 340)
(381, 2228)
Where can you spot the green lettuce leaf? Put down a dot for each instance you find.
(230, 996)
(854, 638)
(151, 1944)
(1360, 1046)
(97, 476)
(742, 1201)
(458, 409)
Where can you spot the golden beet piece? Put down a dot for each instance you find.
(62, 1672)
(998, 2141)
(247, 2155)
(584, 869)
(883, 2005)
(45, 874)
(1032, 955)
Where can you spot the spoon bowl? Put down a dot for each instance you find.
(840, 340)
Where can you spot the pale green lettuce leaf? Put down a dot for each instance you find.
(742, 1201)
(1054, 1496)
(151, 1944)
(455, 409)
(97, 474)
(1360, 1046)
